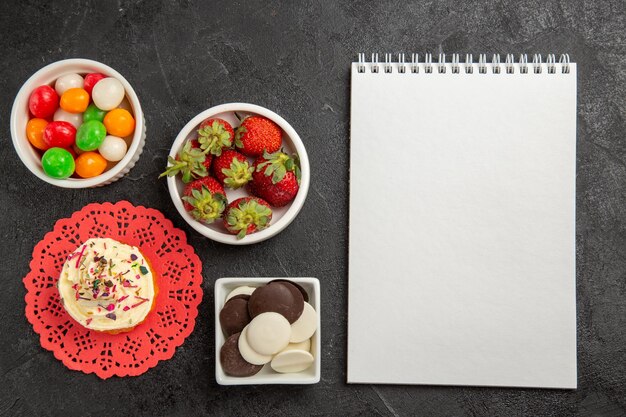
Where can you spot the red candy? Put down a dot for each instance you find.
(91, 79)
(43, 102)
(59, 134)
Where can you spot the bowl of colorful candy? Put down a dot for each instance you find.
(78, 123)
(238, 173)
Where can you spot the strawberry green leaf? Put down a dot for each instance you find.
(269, 170)
(298, 174)
(238, 175)
(238, 134)
(277, 165)
(213, 138)
(279, 174)
(207, 207)
(246, 214)
(260, 167)
(189, 163)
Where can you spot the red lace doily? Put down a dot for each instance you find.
(179, 273)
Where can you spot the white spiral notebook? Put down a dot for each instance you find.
(462, 222)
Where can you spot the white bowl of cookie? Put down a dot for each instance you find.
(267, 331)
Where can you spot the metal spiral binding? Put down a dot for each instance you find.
(455, 64)
(564, 61)
(414, 61)
(508, 64)
(387, 67)
(469, 64)
(523, 64)
(537, 64)
(401, 66)
(551, 64)
(428, 61)
(482, 64)
(495, 61)
(361, 66)
(375, 63)
(441, 65)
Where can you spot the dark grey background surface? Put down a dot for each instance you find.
(293, 57)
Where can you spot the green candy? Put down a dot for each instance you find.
(90, 135)
(93, 113)
(58, 163)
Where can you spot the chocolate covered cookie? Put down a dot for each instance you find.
(279, 297)
(234, 315)
(305, 295)
(232, 362)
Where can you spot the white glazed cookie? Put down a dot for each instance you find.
(292, 361)
(268, 333)
(306, 346)
(248, 353)
(303, 328)
(244, 289)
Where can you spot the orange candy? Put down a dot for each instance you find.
(34, 133)
(119, 122)
(90, 164)
(75, 100)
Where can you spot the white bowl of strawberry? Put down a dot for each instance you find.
(238, 173)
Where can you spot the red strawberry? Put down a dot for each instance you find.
(204, 199)
(191, 162)
(276, 178)
(232, 169)
(247, 215)
(256, 135)
(214, 135)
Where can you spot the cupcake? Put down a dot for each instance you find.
(107, 286)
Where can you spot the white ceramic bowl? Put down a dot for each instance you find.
(266, 375)
(20, 116)
(281, 216)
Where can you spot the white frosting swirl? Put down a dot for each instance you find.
(106, 285)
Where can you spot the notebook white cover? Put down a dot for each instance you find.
(462, 228)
